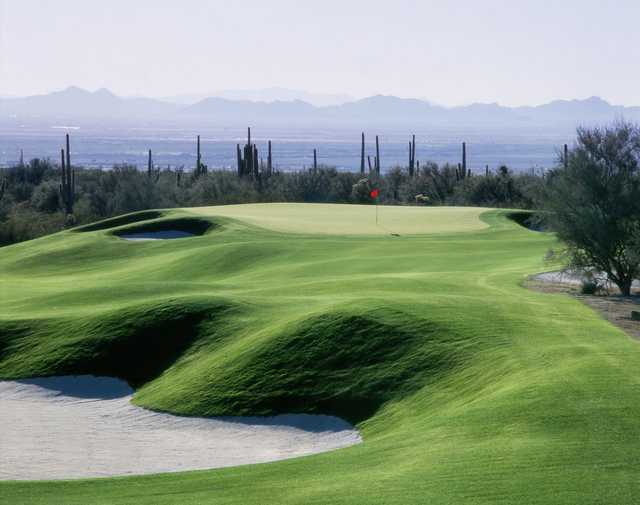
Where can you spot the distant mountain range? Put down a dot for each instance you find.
(77, 104)
(274, 94)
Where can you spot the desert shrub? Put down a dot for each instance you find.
(46, 197)
(590, 287)
(24, 223)
(593, 200)
(361, 191)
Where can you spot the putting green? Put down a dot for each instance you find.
(466, 387)
(333, 219)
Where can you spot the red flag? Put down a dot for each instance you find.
(374, 193)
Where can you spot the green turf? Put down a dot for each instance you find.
(332, 219)
(467, 388)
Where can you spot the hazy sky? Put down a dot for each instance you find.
(513, 52)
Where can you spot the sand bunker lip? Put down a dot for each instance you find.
(84, 426)
(157, 235)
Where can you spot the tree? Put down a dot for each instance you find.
(46, 196)
(594, 202)
(361, 191)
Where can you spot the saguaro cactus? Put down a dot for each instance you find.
(377, 156)
(198, 156)
(462, 172)
(565, 158)
(249, 163)
(68, 182)
(199, 168)
(151, 172)
(68, 153)
(362, 155)
(240, 161)
(3, 187)
(315, 160)
(269, 160)
(256, 166)
(21, 158)
(412, 155)
(464, 158)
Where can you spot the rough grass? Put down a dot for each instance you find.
(467, 388)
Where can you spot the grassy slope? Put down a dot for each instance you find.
(467, 387)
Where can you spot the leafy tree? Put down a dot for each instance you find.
(46, 197)
(504, 189)
(395, 179)
(361, 191)
(594, 202)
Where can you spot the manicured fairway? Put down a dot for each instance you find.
(467, 388)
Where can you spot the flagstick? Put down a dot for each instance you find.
(376, 212)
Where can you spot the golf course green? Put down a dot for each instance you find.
(466, 387)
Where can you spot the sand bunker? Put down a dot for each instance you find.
(157, 235)
(572, 278)
(73, 427)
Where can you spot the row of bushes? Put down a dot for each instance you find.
(31, 205)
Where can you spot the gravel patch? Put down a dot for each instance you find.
(84, 426)
(610, 304)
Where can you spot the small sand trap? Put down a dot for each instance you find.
(571, 278)
(559, 278)
(157, 235)
(74, 427)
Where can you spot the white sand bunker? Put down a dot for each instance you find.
(157, 235)
(574, 278)
(73, 427)
(560, 277)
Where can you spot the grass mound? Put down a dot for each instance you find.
(114, 222)
(135, 343)
(347, 363)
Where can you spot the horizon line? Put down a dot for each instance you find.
(206, 95)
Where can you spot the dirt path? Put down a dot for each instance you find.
(613, 307)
